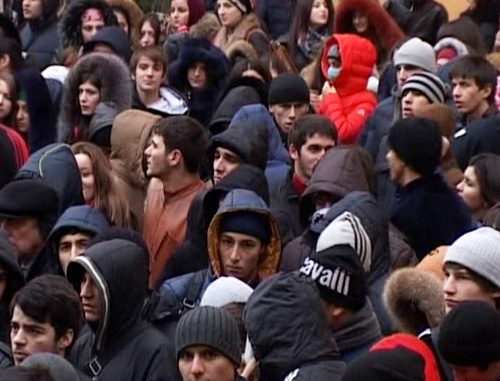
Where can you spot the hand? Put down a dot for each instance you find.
(314, 99)
(328, 89)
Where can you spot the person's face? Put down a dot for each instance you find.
(89, 97)
(148, 74)
(24, 235)
(147, 35)
(472, 373)
(286, 114)
(29, 336)
(32, 9)
(122, 21)
(90, 29)
(202, 363)
(323, 200)
(87, 174)
(459, 286)
(470, 192)
(156, 157)
(71, 246)
(412, 101)
(467, 95)
(310, 154)
(23, 120)
(229, 14)
(319, 14)
(91, 299)
(404, 71)
(225, 162)
(197, 76)
(360, 22)
(5, 100)
(179, 13)
(3, 281)
(396, 166)
(239, 255)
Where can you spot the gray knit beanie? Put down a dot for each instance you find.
(210, 326)
(478, 251)
(416, 52)
(60, 369)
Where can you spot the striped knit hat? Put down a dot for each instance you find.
(245, 6)
(210, 326)
(428, 84)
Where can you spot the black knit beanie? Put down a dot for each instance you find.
(288, 88)
(470, 335)
(417, 141)
(247, 222)
(210, 326)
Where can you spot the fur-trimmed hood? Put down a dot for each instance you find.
(386, 29)
(70, 24)
(133, 12)
(414, 300)
(199, 50)
(249, 24)
(454, 43)
(116, 87)
(241, 49)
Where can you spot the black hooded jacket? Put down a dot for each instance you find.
(125, 347)
(298, 348)
(192, 255)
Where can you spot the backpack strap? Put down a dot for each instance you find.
(194, 291)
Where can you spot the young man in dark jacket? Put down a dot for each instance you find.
(474, 82)
(308, 141)
(112, 278)
(426, 210)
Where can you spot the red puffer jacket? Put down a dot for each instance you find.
(352, 104)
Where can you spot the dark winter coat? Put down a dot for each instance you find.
(238, 93)
(13, 154)
(418, 18)
(116, 87)
(201, 102)
(365, 207)
(252, 149)
(276, 15)
(430, 214)
(43, 118)
(14, 281)
(57, 165)
(480, 136)
(40, 42)
(285, 207)
(71, 22)
(126, 347)
(192, 254)
(298, 348)
(278, 159)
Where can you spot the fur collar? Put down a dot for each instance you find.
(249, 24)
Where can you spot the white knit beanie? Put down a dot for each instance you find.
(225, 290)
(478, 251)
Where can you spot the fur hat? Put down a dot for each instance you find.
(418, 143)
(469, 336)
(442, 115)
(433, 262)
(416, 52)
(414, 300)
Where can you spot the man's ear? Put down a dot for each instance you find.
(294, 154)
(65, 341)
(174, 158)
(271, 109)
(486, 91)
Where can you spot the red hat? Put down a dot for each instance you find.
(447, 53)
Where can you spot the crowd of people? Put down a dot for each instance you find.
(235, 190)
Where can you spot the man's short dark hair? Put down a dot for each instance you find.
(51, 299)
(185, 134)
(310, 125)
(477, 68)
(72, 230)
